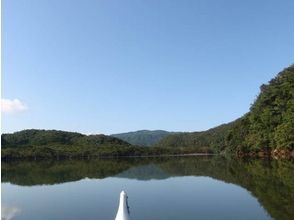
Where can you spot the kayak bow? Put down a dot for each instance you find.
(123, 212)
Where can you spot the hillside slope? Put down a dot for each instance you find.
(213, 139)
(143, 137)
(267, 126)
(35, 143)
(35, 137)
(52, 144)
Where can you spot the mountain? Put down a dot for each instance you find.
(52, 144)
(267, 127)
(213, 139)
(35, 143)
(35, 137)
(143, 137)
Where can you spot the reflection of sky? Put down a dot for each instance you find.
(170, 198)
(8, 212)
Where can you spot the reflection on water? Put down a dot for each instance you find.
(151, 183)
(8, 212)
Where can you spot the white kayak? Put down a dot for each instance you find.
(123, 212)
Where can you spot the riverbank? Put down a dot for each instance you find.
(76, 152)
(275, 154)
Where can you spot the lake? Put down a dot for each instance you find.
(198, 187)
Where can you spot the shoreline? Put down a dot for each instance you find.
(275, 154)
(107, 157)
(238, 155)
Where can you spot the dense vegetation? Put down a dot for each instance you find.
(47, 144)
(34, 137)
(268, 126)
(143, 137)
(210, 140)
(270, 123)
(51, 143)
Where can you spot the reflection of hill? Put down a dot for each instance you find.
(52, 172)
(146, 172)
(271, 182)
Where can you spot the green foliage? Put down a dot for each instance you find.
(212, 140)
(143, 137)
(269, 124)
(43, 144)
(235, 138)
(37, 144)
(284, 133)
(34, 137)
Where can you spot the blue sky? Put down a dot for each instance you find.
(116, 66)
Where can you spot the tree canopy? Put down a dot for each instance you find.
(268, 125)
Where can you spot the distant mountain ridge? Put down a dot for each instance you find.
(268, 128)
(143, 137)
(53, 144)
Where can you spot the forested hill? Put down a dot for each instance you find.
(35, 143)
(35, 137)
(143, 137)
(268, 125)
(52, 144)
(213, 138)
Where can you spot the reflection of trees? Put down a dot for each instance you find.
(271, 182)
(52, 172)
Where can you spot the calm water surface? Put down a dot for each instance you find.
(166, 188)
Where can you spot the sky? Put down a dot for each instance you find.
(111, 66)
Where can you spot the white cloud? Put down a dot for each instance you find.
(12, 106)
(9, 212)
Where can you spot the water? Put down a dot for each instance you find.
(164, 188)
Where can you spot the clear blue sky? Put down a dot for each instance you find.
(114, 66)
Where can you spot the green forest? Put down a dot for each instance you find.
(268, 127)
(144, 138)
(47, 144)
